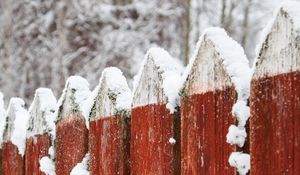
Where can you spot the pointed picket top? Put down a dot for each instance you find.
(279, 49)
(42, 112)
(17, 123)
(158, 80)
(2, 118)
(113, 95)
(73, 99)
(218, 62)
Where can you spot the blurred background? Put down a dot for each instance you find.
(43, 42)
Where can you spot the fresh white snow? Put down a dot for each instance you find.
(240, 161)
(42, 112)
(169, 69)
(47, 166)
(75, 95)
(236, 135)
(172, 141)
(20, 115)
(82, 167)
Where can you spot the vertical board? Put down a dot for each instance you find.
(275, 97)
(109, 150)
(71, 143)
(205, 121)
(151, 129)
(12, 161)
(36, 148)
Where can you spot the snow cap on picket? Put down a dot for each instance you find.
(74, 98)
(158, 81)
(112, 94)
(17, 124)
(279, 47)
(218, 62)
(42, 112)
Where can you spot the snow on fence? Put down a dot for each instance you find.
(176, 121)
(275, 96)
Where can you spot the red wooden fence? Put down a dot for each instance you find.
(152, 124)
(71, 142)
(109, 134)
(14, 138)
(191, 121)
(275, 98)
(206, 104)
(38, 134)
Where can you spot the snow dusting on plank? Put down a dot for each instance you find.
(275, 50)
(2, 118)
(82, 167)
(113, 94)
(17, 123)
(158, 80)
(74, 98)
(42, 113)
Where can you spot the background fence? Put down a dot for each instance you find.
(176, 121)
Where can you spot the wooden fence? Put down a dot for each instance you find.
(176, 120)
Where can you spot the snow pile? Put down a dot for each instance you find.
(172, 141)
(169, 69)
(241, 161)
(47, 164)
(117, 86)
(237, 135)
(74, 97)
(2, 118)
(42, 112)
(292, 8)
(17, 111)
(82, 167)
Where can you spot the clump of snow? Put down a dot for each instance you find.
(240, 161)
(20, 115)
(74, 97)
(172, 141)
(2, 118)
(42, 112)
(236, 135)
(82, 167)
(292, 8)
(47, 166)
(241, 111)
(117, 85)
(170, 70)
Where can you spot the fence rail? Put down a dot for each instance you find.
(176, 120)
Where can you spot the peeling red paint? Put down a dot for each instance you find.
(71, 143)
(205, 119)
(109, 145)
(151, 152)
(36, 148)
(12, 161)
(275, 124)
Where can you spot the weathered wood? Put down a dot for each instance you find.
(207, 99)
(13, 138)
(38, 134)
(71, 143)
(152, 124)
(109, 134)
(275, 98)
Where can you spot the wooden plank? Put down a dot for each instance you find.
(208, 96)
(155, 136)
(40, 125)
(275, 98)
(109, 134)
(71, 143)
